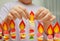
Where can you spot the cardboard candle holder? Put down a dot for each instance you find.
(56, 32)
(31, 26)
(40, 32)
(12, 30)
(50, 33)
(50, 38)
(22, 30)
(6, 36)
(5, 32)
(57, 37)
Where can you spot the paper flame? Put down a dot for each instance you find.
(0, 29)
(12, 24)
(40, 28)
(5, 26)
(31, 16)
(56, 28)
(50, 30)
(0, 26)
(22, 25)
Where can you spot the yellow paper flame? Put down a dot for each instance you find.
(22, 25)
(56, 28)
(5, 26)
(31, 16)
(50, 30)
(40, 28)
(12, 24)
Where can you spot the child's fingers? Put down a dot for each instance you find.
(12, 12)
(53, 17)
(43, 14)
(19, 11)
(8, 18)
(22, 11)
(21, 7)
(39, 12)
(26, 12)
(47, 17)
(15, 14)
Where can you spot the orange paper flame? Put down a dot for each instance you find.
(22, 25)
(50, 30)
(12, 24)
(56, 28)
(0, 26)
(5, 26)
(40, 28)
(31, 16)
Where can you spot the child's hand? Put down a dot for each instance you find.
(44, 15)
(17, 12)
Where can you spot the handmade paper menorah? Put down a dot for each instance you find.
(8, 31)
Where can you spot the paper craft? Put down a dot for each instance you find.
(22, 30)
(5, 32)
(56, 32)
(12, 30)
(31, 26)
(40, 32)
(50, 33)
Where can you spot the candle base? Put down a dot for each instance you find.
(13, 39)
(31, 38)
(40, 38)
(49, 38)
(22, 36)
(56, 39)
(5, 40)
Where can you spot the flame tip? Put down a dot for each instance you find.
(11, 21)
(4, 23)
(50, 26)
(0, 25)
(57, 23)
(22, 22)
(32, 13)
(40, 25)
